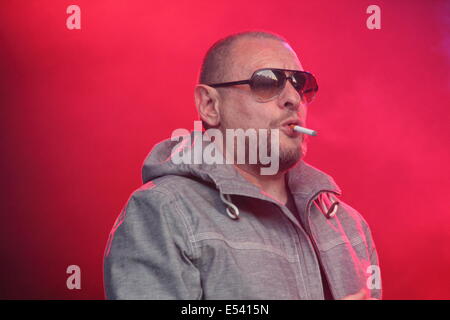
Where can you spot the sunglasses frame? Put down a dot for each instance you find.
(290, 78)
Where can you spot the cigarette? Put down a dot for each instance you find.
(304, 130)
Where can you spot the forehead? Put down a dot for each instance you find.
(250, 54)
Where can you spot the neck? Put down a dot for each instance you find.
(273, 185)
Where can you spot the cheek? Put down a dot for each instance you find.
(240, 113)
(302, 113)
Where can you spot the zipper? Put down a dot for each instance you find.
(307, 237)
(306, 230)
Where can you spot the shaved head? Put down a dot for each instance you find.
(218, 59)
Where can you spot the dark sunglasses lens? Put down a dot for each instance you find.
(306, 85)
(266, 84)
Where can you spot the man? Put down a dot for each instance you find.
(226, 231)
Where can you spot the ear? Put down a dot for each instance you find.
(207, 102)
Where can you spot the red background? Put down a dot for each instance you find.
(80, 110)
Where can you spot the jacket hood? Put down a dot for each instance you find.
(302, 179)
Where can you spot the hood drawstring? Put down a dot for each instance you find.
(327, 204)
(232, 210)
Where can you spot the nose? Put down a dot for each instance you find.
(289, 98)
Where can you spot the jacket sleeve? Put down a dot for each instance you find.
(149, 252)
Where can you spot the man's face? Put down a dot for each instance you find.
(240, 109)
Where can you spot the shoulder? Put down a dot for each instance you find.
(352, 218)
(180, 190)
(152, 212)
(177, 198)
(352, 213)
(167, 188)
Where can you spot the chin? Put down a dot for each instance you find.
(290, 157)
(291, 154)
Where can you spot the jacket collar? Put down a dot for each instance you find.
(306, 179)
(303, 180)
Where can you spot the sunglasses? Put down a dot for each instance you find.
(268, 83)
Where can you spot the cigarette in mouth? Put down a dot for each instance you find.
(304, 130)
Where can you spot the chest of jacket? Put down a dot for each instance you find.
(265, 254)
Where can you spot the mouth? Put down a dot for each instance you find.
(287, 127)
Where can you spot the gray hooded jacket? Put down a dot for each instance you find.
(201, 231)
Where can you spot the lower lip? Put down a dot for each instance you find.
(290, 132)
